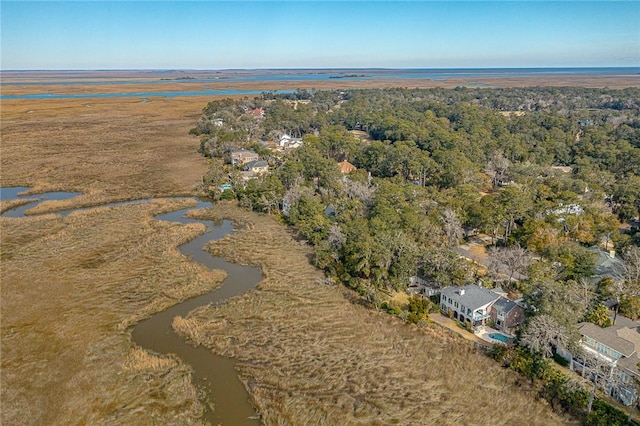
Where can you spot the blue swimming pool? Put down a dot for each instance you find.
(500, 337)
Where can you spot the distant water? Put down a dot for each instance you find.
(136, 94)
(237, 76)
(161, 77)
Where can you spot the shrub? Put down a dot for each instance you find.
(228, 195)
(565, 394)
(498, 352)
(560, 360)
(393, 310)
(603, 414)
(532, 366)
(419, 305)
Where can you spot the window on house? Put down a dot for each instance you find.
(589, 341)
(469, 312)
(455, 304)
(624, 377)
(615, 354)
(603, 349)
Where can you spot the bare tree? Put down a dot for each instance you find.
(336, 238)
(509, 261)
(361, 191)
(579, 296)
(543, 333)
(631, 270)
(619, 289)
(586, 291)
(498, 167)
(635, 388)
(452, 227)
(599, 371)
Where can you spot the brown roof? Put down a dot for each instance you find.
(346, 167)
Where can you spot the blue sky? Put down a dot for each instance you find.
(305, 34)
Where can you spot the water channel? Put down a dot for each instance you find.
(216, 375)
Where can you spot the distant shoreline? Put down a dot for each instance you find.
(20, 85)
(411, 73)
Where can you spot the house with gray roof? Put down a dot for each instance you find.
(258, 166)
(617, 347)
(422, 285)
(607, 264)
(469, 303)
(477, 305)
(507, 314)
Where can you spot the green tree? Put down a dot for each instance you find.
(599, 315)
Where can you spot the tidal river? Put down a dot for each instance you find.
(215, 374)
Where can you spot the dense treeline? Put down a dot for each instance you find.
(547, 173)
(437, 165)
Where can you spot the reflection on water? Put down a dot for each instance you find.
(14, 193)
(215, 374)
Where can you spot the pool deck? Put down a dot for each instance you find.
(483, 332)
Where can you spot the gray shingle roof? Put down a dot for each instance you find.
(607, 266)
(609, 337)
(259, 163)
(473, 298)
(504, 305)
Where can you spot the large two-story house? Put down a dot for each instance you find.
(616, 347)
(477, 305)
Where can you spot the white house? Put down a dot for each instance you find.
(287, 142)
(477, 305)
(470, 303)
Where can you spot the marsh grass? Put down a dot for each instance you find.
(113, 149)
(71, 289)
(309, 356)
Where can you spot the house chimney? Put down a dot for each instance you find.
(462, 292)
(612, 254)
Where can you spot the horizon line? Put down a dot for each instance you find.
(313, 68)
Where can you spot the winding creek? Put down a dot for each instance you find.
(215, 374)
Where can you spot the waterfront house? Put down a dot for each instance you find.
(618, 349)
(477, 305)
(469, 303)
